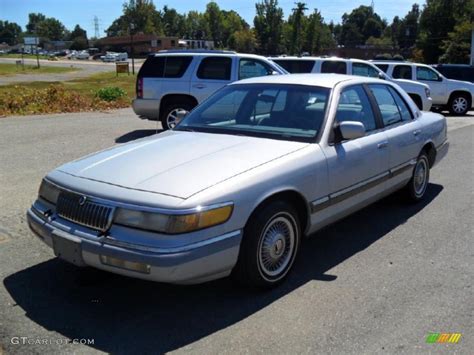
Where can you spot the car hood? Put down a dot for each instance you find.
(410, 83)
(179, 164)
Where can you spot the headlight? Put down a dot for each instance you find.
(427, 92)
(48, 191)
(174, 223)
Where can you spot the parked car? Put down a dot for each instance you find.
(114, 57)
(170, 82)
(462, 72)
(453, 95)
(240, 180)
(419, 93)
(80, 55)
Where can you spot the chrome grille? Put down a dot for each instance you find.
(80, 210)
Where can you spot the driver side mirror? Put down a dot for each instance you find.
(351, 129)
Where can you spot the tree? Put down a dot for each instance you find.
(215, 21)
(196, 25)
(231, 23)
(9, 32)
(437, 20)
(359, 25)
(318, 35)
(243, 41)
(297, 21)
(268, 24)
(408, 28)
(457, 47)
(140, 13)
(33, 20)
(173, 22)
(78, 32)
(51, 29)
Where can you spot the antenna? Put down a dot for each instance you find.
(96, 27)
(372, 5)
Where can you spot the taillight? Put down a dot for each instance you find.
(140, 88)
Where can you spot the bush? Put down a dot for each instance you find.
(110, 93)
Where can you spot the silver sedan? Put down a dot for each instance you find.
(241, 179)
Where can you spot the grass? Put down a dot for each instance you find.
(67, 96)
(13, 69)
(26, 56)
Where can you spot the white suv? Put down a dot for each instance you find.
(175, 81)
(419, 93)
(454, 95)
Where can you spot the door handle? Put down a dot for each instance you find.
(199, 86)
(416, 132)
(382, 145)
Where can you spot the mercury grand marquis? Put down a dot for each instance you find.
(240, 180)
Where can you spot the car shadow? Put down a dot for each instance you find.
(137, 134)
(129, 315)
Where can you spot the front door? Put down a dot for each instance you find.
(437, 84)
(357, 168)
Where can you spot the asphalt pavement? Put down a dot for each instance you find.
(376, 282)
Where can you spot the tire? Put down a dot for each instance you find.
(269, 246)
(459, 104)
(168, 115)
(416, 187)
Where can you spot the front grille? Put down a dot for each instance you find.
(80, 210)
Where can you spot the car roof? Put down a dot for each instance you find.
(322, 80)
(200, 53)
(319, 58)
(394, 62)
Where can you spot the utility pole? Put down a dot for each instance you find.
(132, 27)
(472, 47)
(37, 51)
(96, 27)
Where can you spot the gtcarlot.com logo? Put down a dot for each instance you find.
(452, 338)
(49, 341)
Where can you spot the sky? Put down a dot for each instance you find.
(82, 12)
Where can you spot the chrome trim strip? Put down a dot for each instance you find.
(188, 247)
(442, 144)
(167, 211)
(338, 196)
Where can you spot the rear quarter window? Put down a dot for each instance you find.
(296, 66)
(334, 66)
(402, 72)
(165, 66)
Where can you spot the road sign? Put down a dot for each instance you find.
(31, 41)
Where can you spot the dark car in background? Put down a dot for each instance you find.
(463, 72)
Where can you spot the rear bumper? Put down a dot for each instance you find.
(189, 264)
(147, 108)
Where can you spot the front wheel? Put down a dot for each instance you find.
(459, 104)
(416, 188)
(269, 247)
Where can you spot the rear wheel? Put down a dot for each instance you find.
(416, 188)
(269, 246)
(169, 116)
(459, 104)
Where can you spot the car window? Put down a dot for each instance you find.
(403, 108)
(153, 67)
(382, 67)
(334, 66)
(425, 73)
(250, 68)
(175, 67)
(215, 68)
(402, 72)
(290, 112)
(387, 105)
(296, 66)
(354, 105)
(362, 69)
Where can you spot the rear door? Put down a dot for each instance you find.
(212, 73)
(402, 129)
(334, 66)
(363, 69)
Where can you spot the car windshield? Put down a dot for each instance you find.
(290, 112)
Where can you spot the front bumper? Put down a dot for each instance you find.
(427, 103)
(147, 108)
(192, 263)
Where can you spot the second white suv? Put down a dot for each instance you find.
(419, 93)
(175, 81)
(454, 95)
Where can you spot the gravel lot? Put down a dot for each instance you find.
(376, 282)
